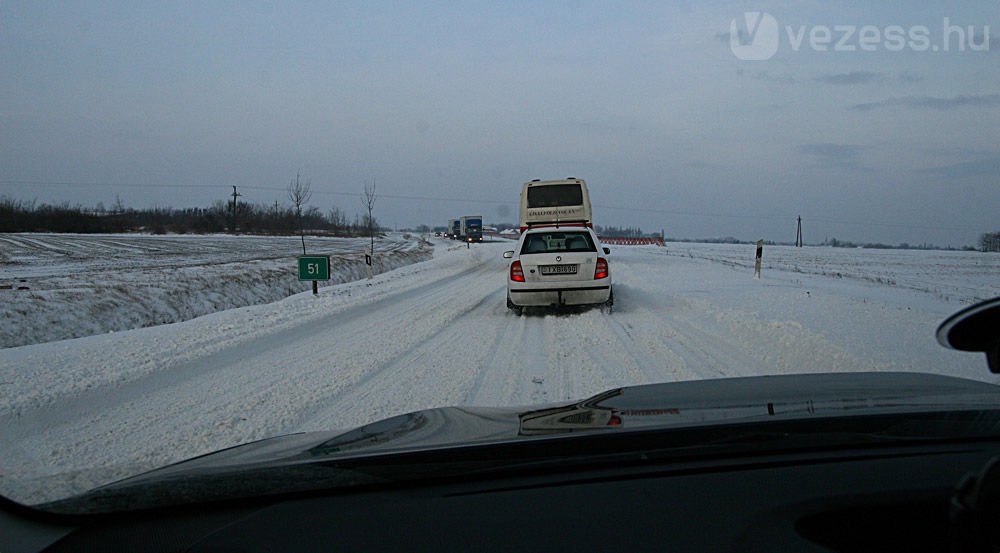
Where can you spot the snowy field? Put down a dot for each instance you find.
(80, 412)
(59, 286)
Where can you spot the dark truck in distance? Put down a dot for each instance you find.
(472, 228)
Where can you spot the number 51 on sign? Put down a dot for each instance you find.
(314, 268)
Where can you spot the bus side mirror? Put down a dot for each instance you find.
(508, 254)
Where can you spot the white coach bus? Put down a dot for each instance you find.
(555, 202)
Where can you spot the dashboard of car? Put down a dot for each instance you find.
(876, 497)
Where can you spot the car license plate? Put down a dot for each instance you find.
(557, 269)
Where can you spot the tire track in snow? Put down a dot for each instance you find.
(424, 370)
(236, 395)
(508, 378)
(699, 340)
(511, 334)
(578, 353)
(543, 357)
(677, 334)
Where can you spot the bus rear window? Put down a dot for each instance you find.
(555, 195)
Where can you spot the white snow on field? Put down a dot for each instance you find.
(78, 413)
(58, 286)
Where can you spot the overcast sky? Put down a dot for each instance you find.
(888, 132)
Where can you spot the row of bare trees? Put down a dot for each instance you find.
(28, 216)
(990, 242)
(300, 192)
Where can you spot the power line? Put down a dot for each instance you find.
(110, 184)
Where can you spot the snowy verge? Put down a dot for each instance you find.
(141, 292)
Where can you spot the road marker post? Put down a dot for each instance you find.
(760, 254)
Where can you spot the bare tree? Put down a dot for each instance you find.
(990, 242)
(299, 193)
(338, 219)
(369, 203)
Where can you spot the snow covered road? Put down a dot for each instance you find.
(437, 333)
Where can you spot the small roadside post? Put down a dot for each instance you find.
(760, 254)
(314, 268)
(368, 261)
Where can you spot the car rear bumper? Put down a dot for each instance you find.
(569, 295)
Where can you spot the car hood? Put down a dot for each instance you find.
(397, 448)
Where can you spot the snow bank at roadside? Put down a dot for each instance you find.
(139, 294)
(963, 277)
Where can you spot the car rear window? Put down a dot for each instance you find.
(549, 242)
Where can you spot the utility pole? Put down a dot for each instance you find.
(798, 234)
(235, 195)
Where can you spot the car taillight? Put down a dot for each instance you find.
(516, 273)
(601, 271)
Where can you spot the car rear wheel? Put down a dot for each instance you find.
(609, 305)
(515, 308)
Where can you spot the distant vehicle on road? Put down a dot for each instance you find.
(453, 229)
(472, 228)
(555, 202)
(554, 267)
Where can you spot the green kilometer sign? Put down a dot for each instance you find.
(314, 267)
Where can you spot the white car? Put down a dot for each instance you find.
(557, 266)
